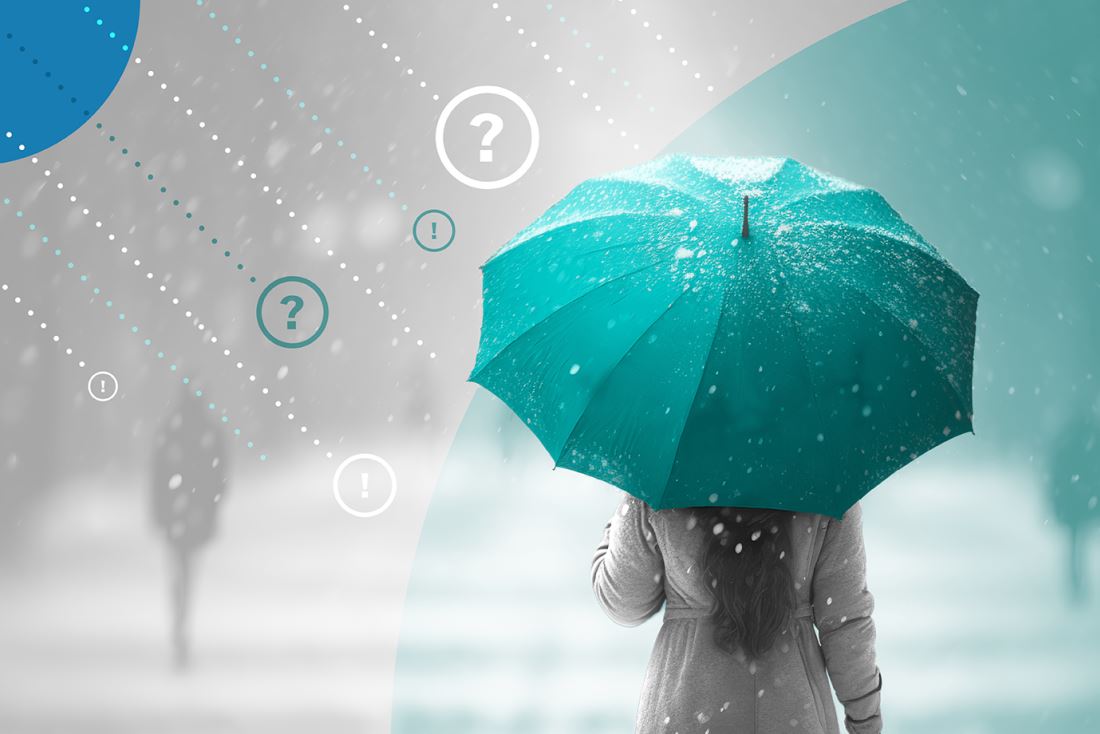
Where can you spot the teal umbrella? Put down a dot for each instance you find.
(743, 332)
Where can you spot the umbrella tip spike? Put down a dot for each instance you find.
(745, 219)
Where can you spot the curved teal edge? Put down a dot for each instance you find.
(910, 54)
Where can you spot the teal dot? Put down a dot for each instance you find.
(314, 118)
(252, 279)
(354, 156)
(211, 406)
(263, 457)
(225, 419)
(301, 105)
(122, 317)
(109, 304)
(328, 131)
(366, 169)
(99, 21)
(125, 151)
(240, 266)
(149, 177)
(148, 342)
(339, 143)
(251, 53)
(236, 431)
(202, 227)
(71, 266)
(19, 213)
(125, 47)
(378, 181)
(249, 444)
(87, 9)
(263, 67)
(227, 253)
(57, 252)
(213, 15)
(32, 226)
(137, 164)
(290, 92)
(96, 291)
(163, 190)
(237, 41)
(160, 355)
(111, 138)
(133, 329)
(391, 194)
(225, 28)
(83, 278)
(7, 200)
(214, 241)
(198, 393)
(188, 215)
(175, 202)
(111, 34)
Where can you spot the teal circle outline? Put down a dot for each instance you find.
(260, 311)
(446, 216)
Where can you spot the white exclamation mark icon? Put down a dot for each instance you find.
(363, 478)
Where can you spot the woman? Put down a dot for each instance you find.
(742, 591)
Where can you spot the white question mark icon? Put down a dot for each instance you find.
(496, 124)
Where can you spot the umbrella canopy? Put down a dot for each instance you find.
(743, 332)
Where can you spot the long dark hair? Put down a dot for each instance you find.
(745, 563)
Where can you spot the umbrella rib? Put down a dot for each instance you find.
(916, 334)
(563, 306)
(699, 383)
(785, 300)
(606, 378)
(516, 244)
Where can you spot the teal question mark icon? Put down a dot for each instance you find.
(298, 303)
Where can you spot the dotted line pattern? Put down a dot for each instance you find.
(134, 329)
(8, 136)
(279, 201)
(409, 71)
(56, 339)
(614, 70)
(163, 288)
(598, 108)
(150, 178)
(671, 49)
(300, 104)
(99, 22)
(47, 74)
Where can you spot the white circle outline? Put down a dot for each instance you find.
(336, 485)
(113, 393)
(512, 97)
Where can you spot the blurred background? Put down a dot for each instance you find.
(976, 122)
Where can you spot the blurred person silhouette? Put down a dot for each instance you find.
(1073, 485)
(190, 476)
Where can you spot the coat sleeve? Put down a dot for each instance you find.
(842, 612)
(628, 570)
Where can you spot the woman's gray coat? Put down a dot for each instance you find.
(649, 559)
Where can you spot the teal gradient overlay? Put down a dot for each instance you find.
(979, 120)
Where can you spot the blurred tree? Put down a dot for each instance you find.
(190, 478)
(1073, 486)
